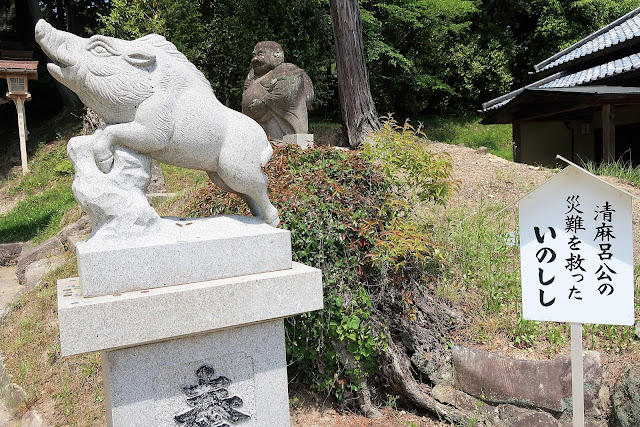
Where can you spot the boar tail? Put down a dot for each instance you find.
(266, 155)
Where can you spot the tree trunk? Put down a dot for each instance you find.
(359, 115)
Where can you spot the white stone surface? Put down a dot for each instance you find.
(182, 251)
(156, 103)
(128, 319)
(302, 140)
(144, 384)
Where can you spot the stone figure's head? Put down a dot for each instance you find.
(266, 56)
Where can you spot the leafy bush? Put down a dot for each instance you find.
(346, 219)
(407, 163)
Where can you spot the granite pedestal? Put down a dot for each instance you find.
(302, 140)
(209, 351)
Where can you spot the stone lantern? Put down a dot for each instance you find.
(18, 73)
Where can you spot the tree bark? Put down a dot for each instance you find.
(359, 116)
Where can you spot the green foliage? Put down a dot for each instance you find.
(45, 193)
(38, 215)
(423, 56)
(427, 53)
(619, 169)
(408, 164)
(531, 31)
(181, 22)
(525, 332)
(468, 131)
(345, 219)
(483, 255)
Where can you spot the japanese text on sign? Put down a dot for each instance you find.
(576, 251)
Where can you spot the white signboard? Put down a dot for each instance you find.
(576, 251)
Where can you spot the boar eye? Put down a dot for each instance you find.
(100, 49)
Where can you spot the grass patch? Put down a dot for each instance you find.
(468, 131)
(618, 169)
(177, 179)
(30, 347)
(45, 192)
(482, 275)
(37, 216)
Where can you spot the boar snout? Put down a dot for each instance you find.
(56, 44)
(42, 28)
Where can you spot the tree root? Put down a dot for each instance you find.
(363, 394)
(395, 367)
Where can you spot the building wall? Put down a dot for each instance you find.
(540, 142)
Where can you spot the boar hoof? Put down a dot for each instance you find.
(105, 165)
(273, 223)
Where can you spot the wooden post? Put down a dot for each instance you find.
(577, 375)
(608, 134)
(517, 142)
(22, 130)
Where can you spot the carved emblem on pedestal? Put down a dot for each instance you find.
(210, 402)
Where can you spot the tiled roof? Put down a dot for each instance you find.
(590, 75)
(19, 66)
(621, 30)
(598, 72)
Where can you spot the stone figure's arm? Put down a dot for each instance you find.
(286, 90)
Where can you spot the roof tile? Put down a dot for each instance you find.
(626, 30)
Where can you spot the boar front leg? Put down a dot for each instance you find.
(133, 135)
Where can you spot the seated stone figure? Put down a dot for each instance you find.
(276, 93)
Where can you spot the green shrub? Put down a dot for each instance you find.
(346, 219)
(407, 163)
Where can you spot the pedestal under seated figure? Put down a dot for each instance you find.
(277, 94)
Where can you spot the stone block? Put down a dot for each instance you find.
(541, 384)
(163, 384)
(184, 251)
(302, 140)
(140, 317)
(626, 398)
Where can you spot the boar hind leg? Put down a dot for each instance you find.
(132, 135)
(251, 184)
(253, 206)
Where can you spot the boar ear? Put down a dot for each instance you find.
(140, 59)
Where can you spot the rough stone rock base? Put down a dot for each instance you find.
(235, 374)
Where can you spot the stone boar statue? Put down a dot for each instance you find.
(155, 102)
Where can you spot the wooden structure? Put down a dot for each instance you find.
(586, 103)
(18, 73)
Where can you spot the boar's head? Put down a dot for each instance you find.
(111, 76)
